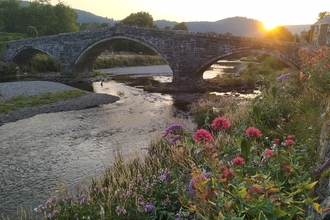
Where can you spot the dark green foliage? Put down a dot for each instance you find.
(141, 19)
(126, 61)
(47, 19)
(180, 26)
(7, 69)
(32, 31)
(42, 63)
(131, 46)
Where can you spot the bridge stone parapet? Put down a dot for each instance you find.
(188, 54)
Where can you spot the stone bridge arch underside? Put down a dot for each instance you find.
(188, 54)
(242, 53)
(84, 62)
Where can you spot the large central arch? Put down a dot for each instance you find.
(86, 59)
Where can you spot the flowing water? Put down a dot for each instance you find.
(41, 153)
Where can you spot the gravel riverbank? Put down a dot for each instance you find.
(30, 88)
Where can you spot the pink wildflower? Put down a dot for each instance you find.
(291, 137)
(253, 132)
(287, 168)
(276, 141)
(228, 174)
(268, 152)
(203, 135)
(238, 161)
(253, 190)
(220, 123)
(289, 142)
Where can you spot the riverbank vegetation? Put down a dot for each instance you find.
(23, 101)
(111, 61)
(258, 70)
(255, 159)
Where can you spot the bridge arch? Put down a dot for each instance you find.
(23, 54)
(85, 60)
(200, 71)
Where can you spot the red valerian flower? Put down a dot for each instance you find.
(253, 190)
(276, 141)
(289, 142)
(203, 135)
(253, 132)
(220, 123)
(238, 161)
(291, 137)
(268, 152)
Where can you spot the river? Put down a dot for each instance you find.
(43, 153)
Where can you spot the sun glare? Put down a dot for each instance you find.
(270, 25)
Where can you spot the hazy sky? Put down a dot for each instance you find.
(270, 12)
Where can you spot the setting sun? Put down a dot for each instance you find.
(270, 25)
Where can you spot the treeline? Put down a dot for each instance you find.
(39, 18)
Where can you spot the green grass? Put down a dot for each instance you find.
(23, 101)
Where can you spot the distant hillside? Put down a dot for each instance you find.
(238, 26)
(85, 17)
(297, 29)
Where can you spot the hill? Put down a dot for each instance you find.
(238, 26)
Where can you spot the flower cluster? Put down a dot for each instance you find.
(220, 123)
(253, 132)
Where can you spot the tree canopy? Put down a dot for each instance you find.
(280, 33)
(180, 26)
(323, 14)
(141, 19)
(40, 14)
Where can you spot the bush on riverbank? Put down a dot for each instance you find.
(112, 61)
(260, 70)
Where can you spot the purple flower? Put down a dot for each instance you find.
(53, 214)
(171, 128)
(191, 187)
(283, 77)
(175, 138)
(149, 207)
(166, 176)
(323, 167)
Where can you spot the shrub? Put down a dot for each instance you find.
(7, 69)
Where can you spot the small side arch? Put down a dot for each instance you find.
(243, 52)
(24, 54)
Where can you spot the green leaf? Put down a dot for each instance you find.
(274, 92)
(256, 112)
(245, 146)
(310, 186)
(262, 216)
(279, 213)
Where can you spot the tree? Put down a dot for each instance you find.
(180, 26)
(66, 18)
(167, 28)
(141, 19)
(10, 18)
(280, 33)
(323, 14)
(32, 31)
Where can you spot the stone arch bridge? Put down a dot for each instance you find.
(188, 54)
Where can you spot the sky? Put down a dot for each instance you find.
(270, 12)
